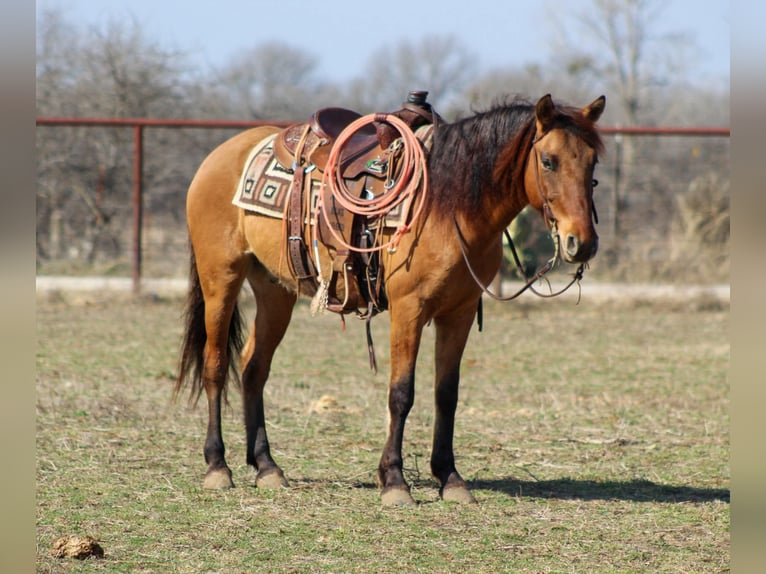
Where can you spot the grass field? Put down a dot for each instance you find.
(595, 438)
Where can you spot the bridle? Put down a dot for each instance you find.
(550, 222)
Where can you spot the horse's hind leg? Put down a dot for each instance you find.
(451, 336)
(273, 313)
(220, 300)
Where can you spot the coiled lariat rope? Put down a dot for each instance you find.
(413, 176)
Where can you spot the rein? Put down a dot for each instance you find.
(550, 264)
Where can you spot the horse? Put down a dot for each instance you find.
(482, 171)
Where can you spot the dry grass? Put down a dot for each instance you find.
(595, 438)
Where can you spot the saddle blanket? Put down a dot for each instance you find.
(264, 182)
(264, 186)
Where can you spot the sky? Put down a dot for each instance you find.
(342, 34)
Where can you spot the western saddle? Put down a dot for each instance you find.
(368, 162)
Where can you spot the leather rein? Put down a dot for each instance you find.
(550, 222)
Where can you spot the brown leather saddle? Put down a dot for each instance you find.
(324, 127)
(367, 163)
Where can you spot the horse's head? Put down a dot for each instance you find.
(559, 175)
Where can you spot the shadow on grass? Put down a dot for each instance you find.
(635, 490)
(563, 489)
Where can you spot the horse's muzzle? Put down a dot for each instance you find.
(576, 251)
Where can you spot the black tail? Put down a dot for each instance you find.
(191, 366)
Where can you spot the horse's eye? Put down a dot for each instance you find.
(548, 163)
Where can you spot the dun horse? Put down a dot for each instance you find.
(481, 172)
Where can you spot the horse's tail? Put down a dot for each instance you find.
(191, 366)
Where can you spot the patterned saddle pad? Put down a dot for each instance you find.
(264, 184)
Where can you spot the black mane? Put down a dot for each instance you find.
(463, 158)
(487, 153)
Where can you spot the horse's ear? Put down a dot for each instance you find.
(544, 113)
(594, 110)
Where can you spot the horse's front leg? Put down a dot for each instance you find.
(451, 336)
(406, 330)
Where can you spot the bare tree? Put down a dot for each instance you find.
(440, 64)
(615, 45)
(83, 198)
(272, 81)
(532, 82)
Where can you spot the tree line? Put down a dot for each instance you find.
(663, 202)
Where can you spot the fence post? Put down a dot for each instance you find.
(615, 223)
(138, 203)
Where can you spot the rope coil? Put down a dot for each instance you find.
(413, 176)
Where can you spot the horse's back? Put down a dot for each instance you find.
(217, 177)
(213, 220)
(221, 169)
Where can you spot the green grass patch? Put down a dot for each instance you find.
(595, 438)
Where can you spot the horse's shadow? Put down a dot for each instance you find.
(634, 490)
(567, 489)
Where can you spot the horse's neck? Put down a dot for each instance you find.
(500, 216)
(504, 196)
(496, 211)
(502, 186)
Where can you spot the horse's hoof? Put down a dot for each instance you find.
(218, 479)
(272, 479)
(459, 494)
(397, 496)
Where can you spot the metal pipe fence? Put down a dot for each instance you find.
(139, 125)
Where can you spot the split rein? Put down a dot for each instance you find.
(539, 274)
(413, 178)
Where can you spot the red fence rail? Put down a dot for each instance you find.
(139, 124)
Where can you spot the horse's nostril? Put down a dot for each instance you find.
(573, 245)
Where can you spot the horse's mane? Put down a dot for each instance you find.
(487, 153)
